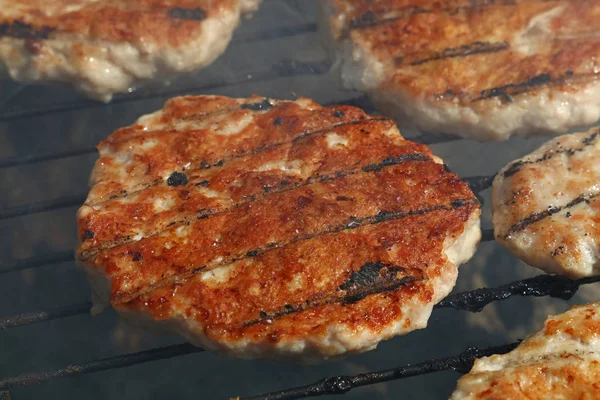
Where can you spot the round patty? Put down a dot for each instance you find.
(265, 228)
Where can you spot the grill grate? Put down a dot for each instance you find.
(472, 301)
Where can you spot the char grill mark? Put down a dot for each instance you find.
(453, 52)
(372, 278)
(281, 187)
(539, 216)
(192, 14)
(506, 92)
(371, 19)
(516, 166)
(350, 224)
(20, 30)
(202, 164)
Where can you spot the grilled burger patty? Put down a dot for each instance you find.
(546, 206)
(562, 361)
(105, 47)
(264, 228)
(476, 68)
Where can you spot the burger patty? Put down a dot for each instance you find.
(105, 47)
(279, 229)
(546, 206)
(477, 68)
(559, 362)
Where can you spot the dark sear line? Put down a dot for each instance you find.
(516, 166)
(281, 187)
(191, 14)
(20, 30)
(454, 52)
(350, 224)
(512, 89)
(370, 19)
(372, 278)
(223, 162)
(539, 216)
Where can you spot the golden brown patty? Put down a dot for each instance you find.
(274, 228)
(482, 69)
(562, 361)
(104, 47)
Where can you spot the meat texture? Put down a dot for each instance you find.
(281, 229)
(105, 47)
(546, 206)
(562, 361)
(477, 68)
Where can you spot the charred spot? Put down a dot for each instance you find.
(193, 14)
(390, 161)
(458, 203)
(366, 275)
(137, 256)
(504, 91)
(177, 179)
(252, 253)
(569, 72)
(278, 121)
(558, 251)
(263, 314)
(353, 222)
(203, 183)
(113, 196)
(383, 215)
(303, 201)
(263, 105)
(219, 163)
(568, 214)
(21, 30)
(170, 224)
(203, 213)
(87, 234)
(338, 114)
(590, 139)
(204, 164)
(343, 198)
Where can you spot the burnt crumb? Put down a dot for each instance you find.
(203, 183)
(558, 251)
(263, 105)
(263, 314)
(21, 30)
(338, 114)
(194, 14)
(87, 234)
(113, 196)
(278, 121)
(568, 214)
(137, 256)
(343, 198)
(177, 179)
(204, 164)
(203, 213)
(219, 163)
(267, 188)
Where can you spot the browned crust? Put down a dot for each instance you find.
(467, 51)
(363, 228)
(161, 22)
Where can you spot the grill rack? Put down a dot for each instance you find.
(472, 301)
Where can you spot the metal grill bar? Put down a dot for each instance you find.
(477, 183)
(68, 255)
(47, 315)
(32, 159)
(342, 384)
(35, 262)
(104, 364)
(473, 301)
(362, 102)
(285, 68)
(28, 209)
